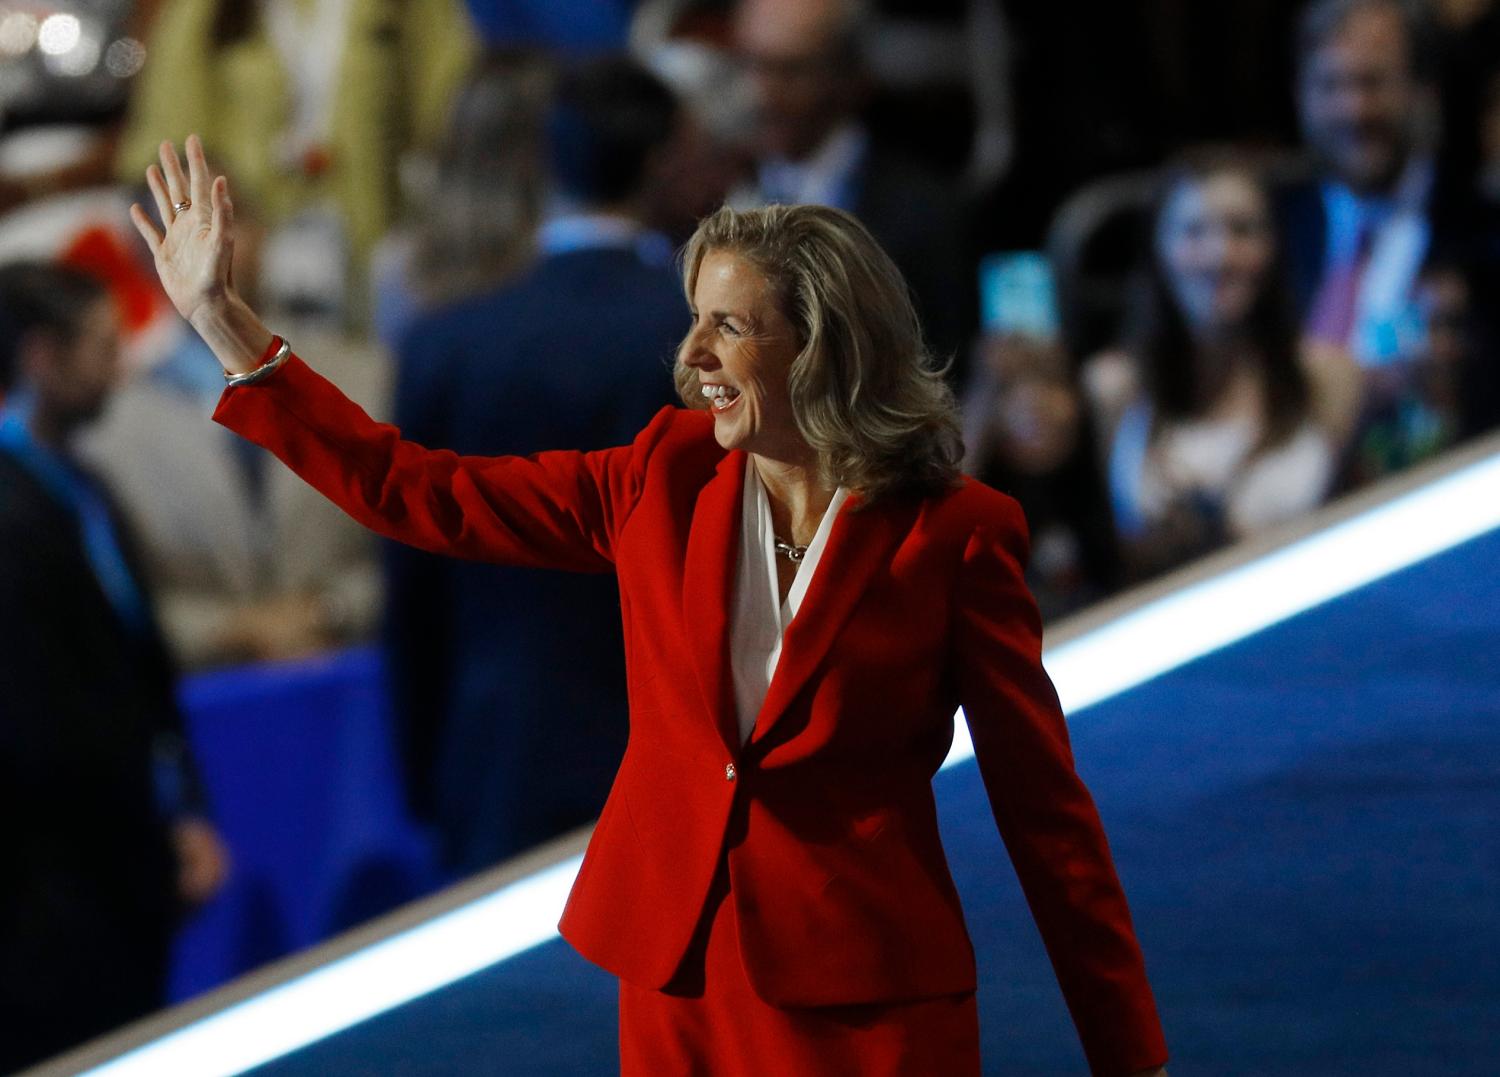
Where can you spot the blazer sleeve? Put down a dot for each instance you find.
(558, 510)
(1045, 814)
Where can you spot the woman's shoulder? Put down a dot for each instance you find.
(971, 507)
(976, 529)
(675, 426)
(674, 437)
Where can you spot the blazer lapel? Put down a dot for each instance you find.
(708, 590)
(859, 545)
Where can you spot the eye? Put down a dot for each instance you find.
(730, 329)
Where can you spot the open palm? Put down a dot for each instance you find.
(194, 253)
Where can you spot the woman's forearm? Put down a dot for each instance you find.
(233, 332)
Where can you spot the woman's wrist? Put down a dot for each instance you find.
(272, 360)
(233, 332)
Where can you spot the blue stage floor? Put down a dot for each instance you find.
(1307, 824)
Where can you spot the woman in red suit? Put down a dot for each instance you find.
(809, 591)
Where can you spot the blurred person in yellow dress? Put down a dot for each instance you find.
(311, 105)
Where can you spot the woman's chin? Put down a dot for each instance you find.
(1232, 308)
(728, 430)
(728, 439)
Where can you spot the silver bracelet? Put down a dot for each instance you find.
(262, 372)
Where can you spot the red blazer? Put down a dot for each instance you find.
(841, 888)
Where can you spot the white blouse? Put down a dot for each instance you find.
(759, 618)
(1217, 458)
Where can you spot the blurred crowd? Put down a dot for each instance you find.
(1195, 269)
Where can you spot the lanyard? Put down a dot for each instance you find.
(75, 492)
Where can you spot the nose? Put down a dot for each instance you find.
(1360, 105)
(695, 353)
(1216, 247)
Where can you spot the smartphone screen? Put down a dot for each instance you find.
(1017, 294)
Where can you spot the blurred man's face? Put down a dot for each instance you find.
(75, 379)
(1359, 100)
(803, 87)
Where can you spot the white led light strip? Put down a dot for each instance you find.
(352, 989)
(1126, 652)
(1224, 609)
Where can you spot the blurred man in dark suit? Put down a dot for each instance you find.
(1381, 206)
(509, 684)
(102, 821)
(803, 59)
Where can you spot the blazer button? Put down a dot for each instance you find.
(729, 772)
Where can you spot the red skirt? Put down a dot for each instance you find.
(710, 1021)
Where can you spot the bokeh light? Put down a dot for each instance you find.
(59, 34)
(18, 33)
(125, 58)
(80, 60)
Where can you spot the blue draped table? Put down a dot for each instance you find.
(300, 764)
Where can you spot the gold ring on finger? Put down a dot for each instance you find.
(179, 208)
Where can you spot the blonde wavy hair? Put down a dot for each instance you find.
(865, 392)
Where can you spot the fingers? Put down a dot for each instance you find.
(158, 184)
(177, 183)
(223, 208)
(199, 178)
(144, 226)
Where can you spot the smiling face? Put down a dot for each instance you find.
(1215, 245)
(1358, 99)
(741, 347)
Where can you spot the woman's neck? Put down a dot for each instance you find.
(1219, 356)
(798, 496)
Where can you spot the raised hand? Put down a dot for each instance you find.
(194, 253)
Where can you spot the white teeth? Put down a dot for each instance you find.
(721, 396)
